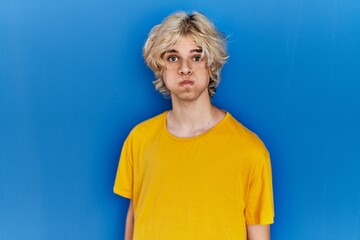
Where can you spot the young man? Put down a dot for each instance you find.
(193, 172)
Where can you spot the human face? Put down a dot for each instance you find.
(186, 74)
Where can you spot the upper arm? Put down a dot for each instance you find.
(259, 207)
(258, 232)
(129, 228)
(123, 185)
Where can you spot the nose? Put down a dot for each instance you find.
(185, 68)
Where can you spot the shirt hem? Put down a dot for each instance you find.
(122, 193)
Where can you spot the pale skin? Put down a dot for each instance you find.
(186, 75)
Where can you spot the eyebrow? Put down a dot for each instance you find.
(197, 50)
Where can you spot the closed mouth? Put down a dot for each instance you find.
(186, 83)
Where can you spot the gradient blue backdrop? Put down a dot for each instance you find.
(73, 84)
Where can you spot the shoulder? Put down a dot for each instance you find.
(243, 136)
(150, 125)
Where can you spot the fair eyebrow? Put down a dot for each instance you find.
(197, 50)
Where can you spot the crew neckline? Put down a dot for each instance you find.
(186, 139)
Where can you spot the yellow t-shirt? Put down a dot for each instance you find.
(207, 187)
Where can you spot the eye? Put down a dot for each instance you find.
(172, 59)
(197, 58)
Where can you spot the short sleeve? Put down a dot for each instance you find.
(124, 177)
(259, 207)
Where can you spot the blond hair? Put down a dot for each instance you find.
(165, 35)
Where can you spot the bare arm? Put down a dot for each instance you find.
(129, 228)
(258, 232)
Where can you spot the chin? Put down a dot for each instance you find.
(188, 96)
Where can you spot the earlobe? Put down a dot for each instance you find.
(209, 85)
(163, 81)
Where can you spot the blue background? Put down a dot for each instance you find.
(73, 83)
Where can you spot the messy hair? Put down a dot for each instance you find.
(181, 24)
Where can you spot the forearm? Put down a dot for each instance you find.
(258, 232)
(129, 228)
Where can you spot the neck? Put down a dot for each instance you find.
(190, 113)
(188, 119)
